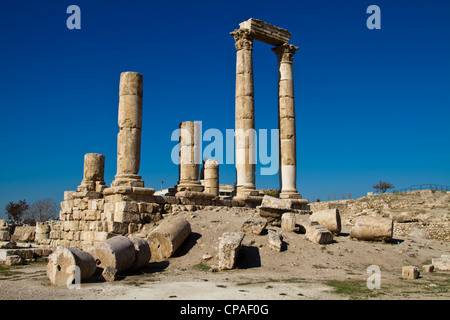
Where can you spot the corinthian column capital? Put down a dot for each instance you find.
(285, 52)
(243, 38)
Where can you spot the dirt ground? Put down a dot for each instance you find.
(303, 270)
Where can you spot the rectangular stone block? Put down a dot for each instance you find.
(5, 236)
(410, 272)
(288, 220)
(229, 246)
(127, 217)
(126, 206)
(265, 32)
(442, 263)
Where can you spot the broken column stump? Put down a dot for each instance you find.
(288, 220)
(229, 246)
(373, 229)
(64, 263)
(117, 252)
(330, 219)
(167, 237)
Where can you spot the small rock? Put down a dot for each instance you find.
(109, 273)
(410, 272)
(428, 268)
(13, 260)
(275, 242)
(207, 257)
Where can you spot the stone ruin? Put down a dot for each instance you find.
(103, 227)
(95, 212)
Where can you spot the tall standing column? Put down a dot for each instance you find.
(244, 114)
(130, 124)
(286, 121)
(189, 167)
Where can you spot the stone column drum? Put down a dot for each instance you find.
(244, 114)
(286, 121)
(93, 173)
(189, 167)
(168, 237)
(212, 176)
(117, 252)
(130, 124)
(68, 265)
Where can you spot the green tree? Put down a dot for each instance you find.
(382, 186)
(272, 192)
(15, 210)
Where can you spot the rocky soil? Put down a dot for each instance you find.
(303, 270)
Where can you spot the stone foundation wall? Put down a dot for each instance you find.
(89, 217)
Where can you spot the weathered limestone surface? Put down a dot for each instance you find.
(442, 263)
(143, 253)
(42, 235)
(254, 225)
(276, 203)
(93, 173)
(189, 166)
(211, 177)
(117, 252)
(167, 237)
(331, 219)
(275, 240)
(229, 247)
(64, 262)
(24, 233)
(272, 208)
(265, 32)
(288, 221)
(373, 229)
(315, 232)
(130, 125)
(4, 231)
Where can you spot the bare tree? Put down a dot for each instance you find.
(42, 210)
(382, 186)
(15, 211)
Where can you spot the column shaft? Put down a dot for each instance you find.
(286, 121)
(130, 126)
(244, 113)
(189, 167)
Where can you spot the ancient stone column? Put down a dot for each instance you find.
(66, 265)
(286, 121)
(117, 252)
(130, 125)
(189, 167)
(168, 237)
(244, 114)
(211, 173)
(93, 173)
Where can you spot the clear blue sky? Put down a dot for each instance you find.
(370, 104)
